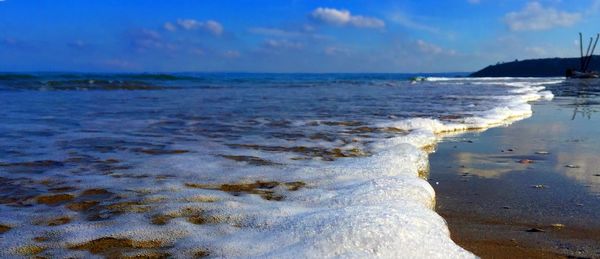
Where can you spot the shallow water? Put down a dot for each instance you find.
(234, 164)
(537, 173)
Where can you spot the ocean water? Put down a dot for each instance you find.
(235, 165)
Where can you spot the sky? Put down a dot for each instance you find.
(287, 35)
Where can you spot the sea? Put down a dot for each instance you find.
(236, 164)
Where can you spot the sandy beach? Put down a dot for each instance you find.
(299, 129)
(531, 189)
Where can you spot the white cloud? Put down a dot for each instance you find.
(188, 24)
(331, 16)
(344, 17)
(594, 7)
(429, 48)
(366, 22)
(210, 26)
(410, 23)
(305, 32)
(274, 32)
(335, 51)
(432, 49)
(511, 46)
(145, 39)
(214, 27)
(169, 26)
(150, 34)
(282, 44)
(535, 17)
(536, 51)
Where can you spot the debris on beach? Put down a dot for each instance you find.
(4, 228)
(526, 161)
(52, 200)
(540, 186)
(557, 225)
(535, 230)
(596, 174)
(572, 166)
(117, 247)
(30, 250)
(542, 153)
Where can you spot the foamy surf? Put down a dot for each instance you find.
(361, 196)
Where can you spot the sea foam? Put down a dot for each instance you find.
(372, 206)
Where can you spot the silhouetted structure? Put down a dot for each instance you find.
(585, 60)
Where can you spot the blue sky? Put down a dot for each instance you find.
(286, 35)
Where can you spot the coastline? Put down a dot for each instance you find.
(375, 205)
(527, 190)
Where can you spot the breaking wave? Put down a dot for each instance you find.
(336, 170)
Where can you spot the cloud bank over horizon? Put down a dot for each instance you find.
(285, 36)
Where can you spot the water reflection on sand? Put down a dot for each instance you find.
(531, 187)
(563, 138)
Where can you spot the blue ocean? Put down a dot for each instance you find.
(236, 165)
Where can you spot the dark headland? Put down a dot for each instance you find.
(546, 67)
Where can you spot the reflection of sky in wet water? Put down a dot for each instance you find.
(568, 128)
(503, 182)
(572, 130)
(503, 166)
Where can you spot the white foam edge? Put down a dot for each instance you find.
(375, 206)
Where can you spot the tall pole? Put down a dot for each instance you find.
(581, 51)
(587, 53)
(589, 59)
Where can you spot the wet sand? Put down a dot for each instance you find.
(528, 190)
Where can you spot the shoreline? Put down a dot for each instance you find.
(335, 205)
(522, 190)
